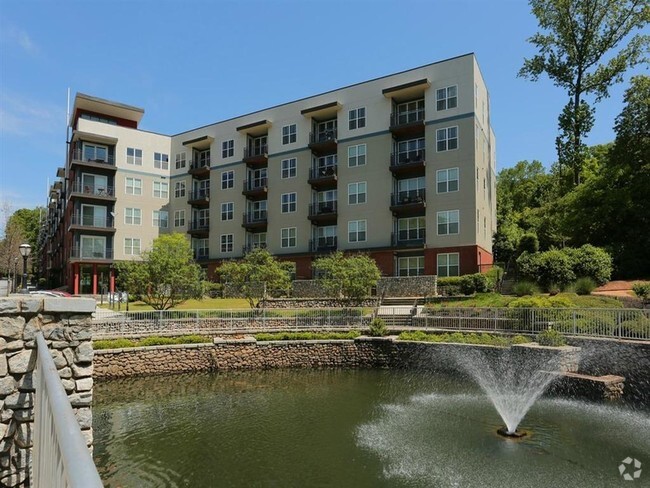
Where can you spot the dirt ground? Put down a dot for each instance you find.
(619, 288)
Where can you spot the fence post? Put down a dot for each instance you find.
(197, 319)
(496, 319)
(575, 326)
(532, 319)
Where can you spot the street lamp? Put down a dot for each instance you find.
(25, 249)
(15, 275)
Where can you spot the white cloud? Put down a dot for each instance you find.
(22, 116)
(14, 36)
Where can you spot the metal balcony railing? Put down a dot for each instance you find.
(201, 254)
(407, 157)
(251, 247)
(255, 151)
(323, 244)
(91, 253)
(322, 172)
(199, 194)
(255, 217)
(78, 155)
(408, 197)
(409, 238)
(199, 226)
(328, 135)
(323, 208)
(100, 221)
(93, 190)
(255, 184)
(203, 163)
(408, 117)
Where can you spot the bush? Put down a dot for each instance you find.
(553, 289)
(636, 328)
(449, 286)
(306, 336)
(642, 290)
(591, 262)
(541, 302)
(523, 288)
(584, 286)
(150, 341)
(551, 337)
(378, 327)
(462, 338)
(493, 276)
(528, 243)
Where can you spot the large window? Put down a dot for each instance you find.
(132, 216)
(131, 246)
(227, 148)
(357, 118)
(179, 189)
(448, 265)
(95, 185)
(288, 237)
(289, 202)
(179, 218)
(357, 231)
(227, 179)
(411, 229)
(357, 193)
(411, 190)
(133, 186)
(201, 158)
(289, 134)
(326, 236)
(288, 168)
(448, 222)
(160, 160)
(447, 180)
(201, 218)
(227, 211)
(446, 98)
(257, 209)
(226, 243)
(357, 155)
(181, 160)
(93, 247)
(94, 152)
(134, 156)
(447, 139)
(160, 219)
(411, 150)
(257, 240)
(409, 112)
(410, 266)
(160, 189)
(201, 248)
(94, 216)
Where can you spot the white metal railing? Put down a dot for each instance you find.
(61, 458)
(619, 323)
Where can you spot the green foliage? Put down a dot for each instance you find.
(493, 276)
(473, 283)
(642, 290)
(591, 262)
(551, 337)
(584, 286)
(306, 336)
(478, 300)
(523, 288)
(347, 277)
(449, 286)
(378, 327)
(553, 266)
(553, 289)
(541, 302)
(256, 274)
(529, 243)
(636, 328)
(463, 338)
(149, 341)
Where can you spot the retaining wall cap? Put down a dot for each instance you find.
(70, 305)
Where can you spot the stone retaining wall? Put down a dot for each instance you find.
(66, 327)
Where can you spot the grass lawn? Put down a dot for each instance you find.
(205, 304)
(497, 300)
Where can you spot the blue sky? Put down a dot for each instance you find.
(191, 63)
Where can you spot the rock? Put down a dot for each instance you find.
(85, 384)
(65, 373)
(24, 435)
(29, 333)
(19, 399)
(84, 417)
(9, 306)
(82, 371)
(69, 355)
(7, 385)
(88, 436)
(31, 305)
(15, 345)
(3, 344)
(3, 364)
(24, 415)
(22, 362)
(6, 414)
(59, 359)
(14, 479)
(26, 383)
(83, 399)
(84, 353)
(12, 327)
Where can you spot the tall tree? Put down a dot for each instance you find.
(10, 258)
(577, 51)
(349, 277)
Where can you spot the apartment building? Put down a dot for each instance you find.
(401, 167)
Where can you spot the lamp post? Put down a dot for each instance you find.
(15, 275)
(25, 249)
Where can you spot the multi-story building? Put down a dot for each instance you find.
(401, 167)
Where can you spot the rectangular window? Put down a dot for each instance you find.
(257, 210)
(160, 189)
(96, 153)
(410, 266)
(181, 160)
(357, 118)
(357, 193)
(409, 112)
(134, 156)
(357, 155)
(447, 180)
(133, 186)
(201, 248)
(179, 189)
(288, 134)
(447, 139)
(226, 242)
(448, 222)
(325, 130)
(257, 240)
(288, 235)
(228, 148)
(131, 246)
(357, 231)
(411, 229)
(160, 219)
(289, 202)
(93, 247)
(201, 218)
(179, 218)
(410, 151)
(227, 180)
(227, 211)
(448, 265)
(447, 98)
(289, 168)
(132, 216)
(326, 236)
(201, 158)
(411, 190)
(160, 161)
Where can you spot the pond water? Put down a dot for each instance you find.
(347, 428)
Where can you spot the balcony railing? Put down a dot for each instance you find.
(255, 218)
(199, 226)
(408, 197)
(409, 238)
(93, 190)
(97, 221)
(255, 154)
(409, 157)
(405, 118)
(323, 209)
(91, 253)
(255, 185)
(201, 254)
(251, 247)
(323, 244)
(199, 196)
(203, 163)
(78, 155)
(322, 175)
(323, 142)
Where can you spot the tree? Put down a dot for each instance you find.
(578, 35)
(13, 237)
(256, 274)
(165, 276)
(348, 277)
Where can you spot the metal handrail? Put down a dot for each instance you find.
(323, 208)
(61, 457)
(408, 197)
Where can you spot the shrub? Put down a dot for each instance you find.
(636, 328)
(449, 286)
(473, 283)
(528, 243)
(584, 286)
(551, 337)
(522, 288)
(591, 262)
(306, 336)
(378, 327)
(642, 290)
(462, 338)
(553, 289)
(493, 276)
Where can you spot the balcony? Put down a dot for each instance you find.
(255, 157)
(199, 228)
(323, 142)
(323, 212)
(93, 254)
(255, 188)
(96, 223)
(252, 247)
(323, 178)
(409, 239)
(323, 244)
(202, 254)
(93, 192)
(407, 124)
(255, 220)
(84, 161)
(200, 169)
(410, 202)
(199, 198)
(408, 163)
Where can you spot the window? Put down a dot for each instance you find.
(134, 156)
(357, 155)
(257, 210)
(201, 158)
(448, 265)
(257, 240)
(409, 112)
(411, 229)
(93, 216)
(325, 130)
(95, 118)
(226, 242)
(288, 235)
(446, 98)
(94, 152)
(131, 246)
(288, 134)
(410, 266)
(289, 202)
(411, 190)
(326, 236)
(93, 247)
(200, 189)
(326, 165)
(133, 186)
(179, 218)
(410, 151)
(179, 189)
(289, 168)
(160, 189)
(448, 222)
(181, 160)
(357, 231)
(227, 180)
(227, 211)
(160, 161)
(228, 148)
(201, 218)
(161, 219)
(132, 216)
(95, 185)
(201, 248)
(357, 118)
(447, 139)
(447, 180)
(357, 193)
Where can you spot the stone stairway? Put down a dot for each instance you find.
(398, 311)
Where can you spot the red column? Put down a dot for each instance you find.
(95, 279)
(111, 280)
(76, 278)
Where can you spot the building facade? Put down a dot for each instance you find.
(401, 167)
